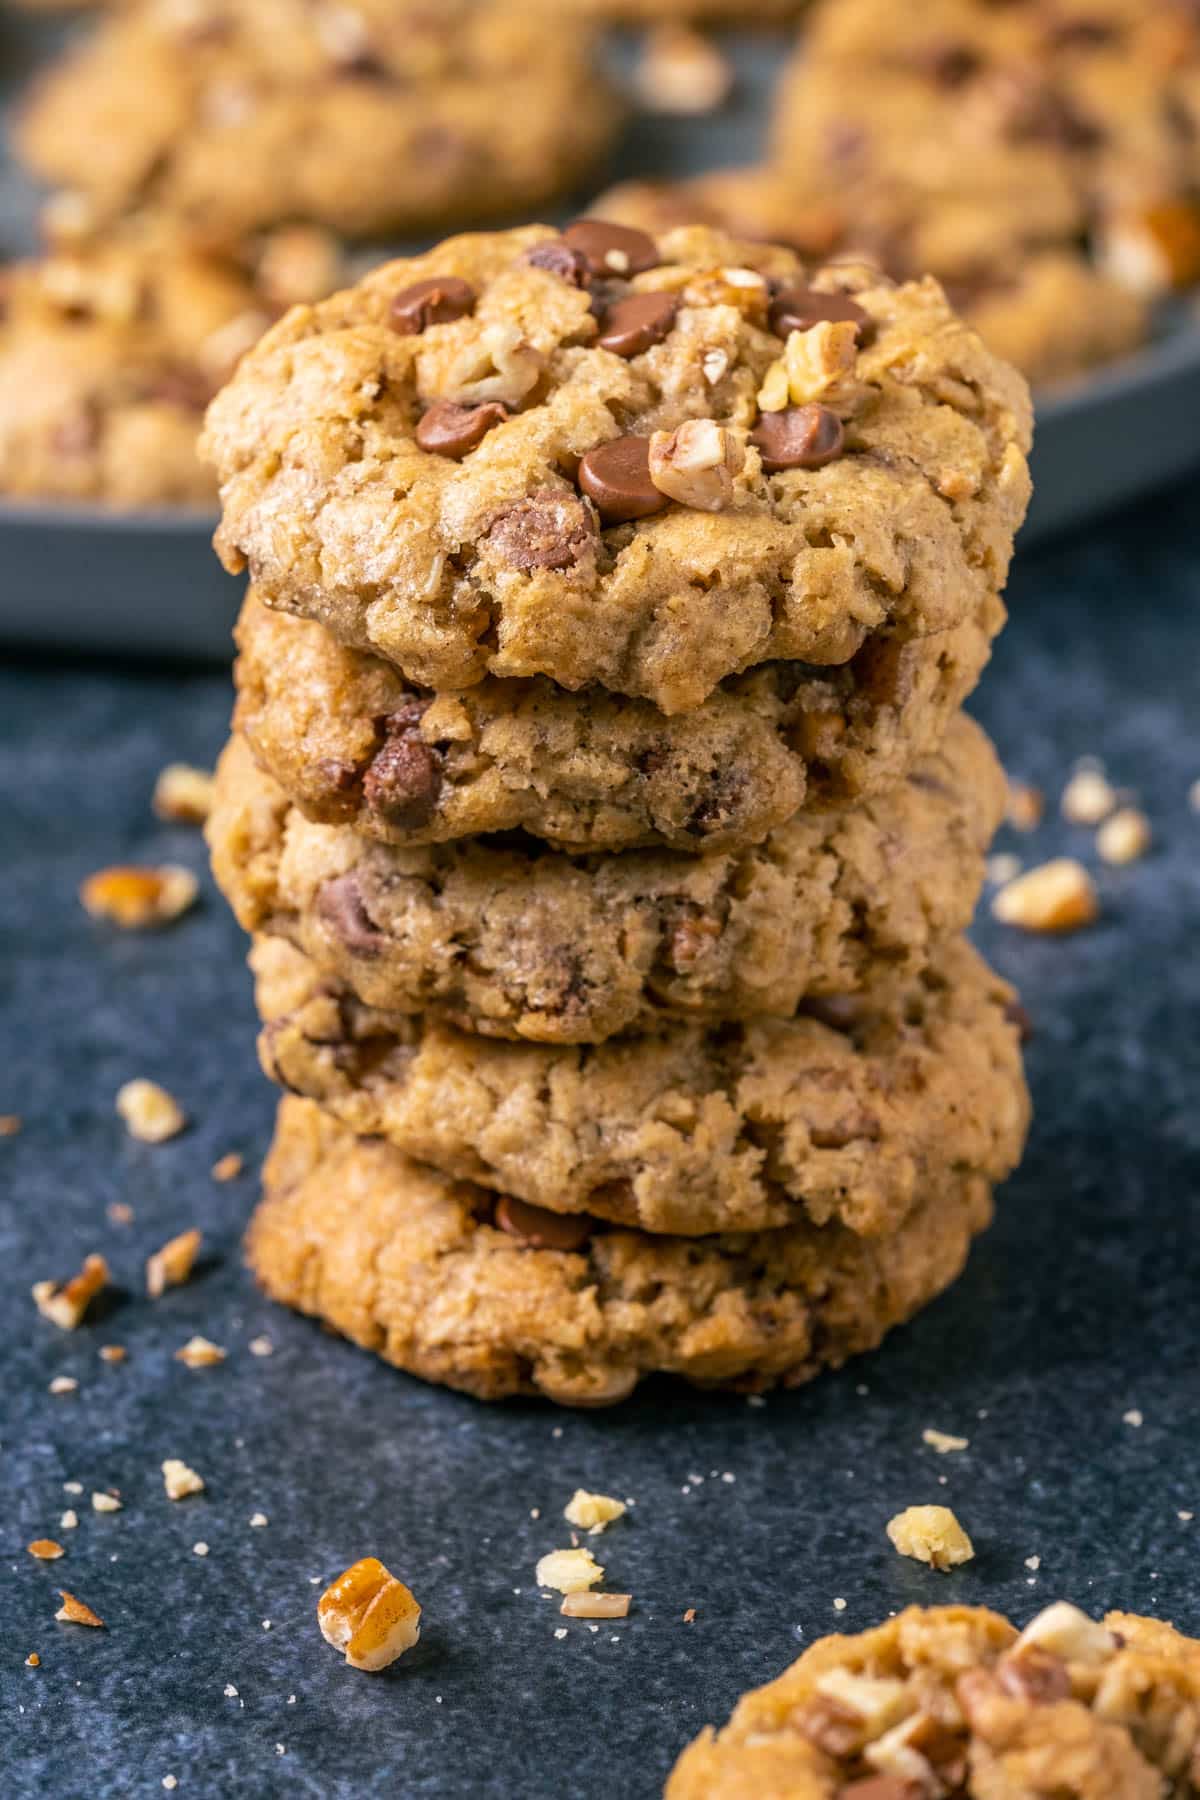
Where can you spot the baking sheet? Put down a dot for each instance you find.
(149, 584)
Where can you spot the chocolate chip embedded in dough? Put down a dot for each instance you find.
(546, 530)
(438, 301)
(612, 249)
(616, 477)
(799, 437)
(557, 256)
(404, 779)
(541, 1229)
(339, 902)
(448, 429)
(799, 309)
(636, 323)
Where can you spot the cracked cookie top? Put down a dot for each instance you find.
(377, 116)
(952, 1700)
(606, 458)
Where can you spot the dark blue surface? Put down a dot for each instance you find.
(1079, 1306)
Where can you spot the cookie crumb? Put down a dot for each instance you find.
(1187, 1517)
(135, 898)
(261, 1346)
(258, 1520)
(183, 794)
(1133, 1417)
(1194, 796)
(1056, 896)
(595, 1606)
(942, 1441)
(1087, 797)
(200, 1353)
(10, 1124)
(200, 1549)
(69, 1520)
(112, 1353)
(592, 1512)
(119, 1213)
(839, 1604)
(689, 1617)
(105, 1503)
(171, 1266)
(64, 1384)
(1026, 805)
(1034, 1563)
(45, 1549)
(229, 1166)
(64, 1303)
(76, 1612)
(170, 1783)
(682, 72)
(568, 1571)
(1123, 838)
(33, 1660)
(930, 1534)
(1002, 868)
(369, 1615)
(179, 1480)
(72, 1487)
(151, 1115)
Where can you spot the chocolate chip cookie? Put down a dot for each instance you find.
(381, 116)
(511, 940)
(111, 348)
(976, 139)
(1050, 309)
(851, 1110)
(953, 1700)
(612, 460)
(471, 1289)
(353, 744)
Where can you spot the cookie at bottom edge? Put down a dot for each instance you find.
(421, 1269)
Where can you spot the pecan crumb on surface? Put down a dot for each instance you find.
(592, 1512)
(942, 1441)
(151, 1115)
(171, 1266)
(1124, 837)
(1056, 896)
(113, 1353)
(76, 1612)
(45, 1549)
(930, 1534)
(183, 794)
(689, 1617)
(568, 1571)
(134, 898)
(179, 1480)
(200, 1353)
(595, 1606)
(369, 1615)
(65, 1303)
(33, 1660)
(229, 1166)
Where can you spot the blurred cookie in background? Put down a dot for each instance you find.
(111, 347)
(234, 115)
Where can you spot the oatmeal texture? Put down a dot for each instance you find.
(851, 1111)
(414, 1266)
(606, 459)
(509, 939)
(231, 115)
(353, 744)
(952, 1700)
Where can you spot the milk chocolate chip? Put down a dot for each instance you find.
(616, 477)
(437, 301)
(404, 779)
(799, 437)
(612, 249)
(448, 429)
(632, 325)
(799, 309)
(340, 903)
(547, 530)
(557, 256)
(540, 1229)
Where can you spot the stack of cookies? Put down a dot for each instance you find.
(602, 810)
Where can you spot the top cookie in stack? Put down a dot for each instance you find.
(642, 466)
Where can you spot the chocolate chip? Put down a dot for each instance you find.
(840, 1012)
(557, 256)
(616, 476)
(1017, 1015)
(437, 301)
(612, 249)
(799, 309)
(799, 437)
(448, 429)
(340, 903)
(548, 530)
(540, 1229)
(330, 773)
(950, 65)
(404, 779)
(632, 325)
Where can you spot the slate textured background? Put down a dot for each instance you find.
(1078, 1307)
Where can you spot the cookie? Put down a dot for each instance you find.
(613, 461)
(975, 139)
(458, 1286)
(353, 744)
(1049, 309)
(383, 116)
(848, 1111)
(952, 1700)
(514, 941)
(110, 349)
